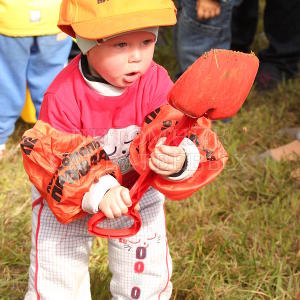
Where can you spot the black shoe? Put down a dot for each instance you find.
(268, 77)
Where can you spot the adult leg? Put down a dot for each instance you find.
(48, 56)
(243, 25)
(282, 28)
(59, 256)
(175, 30)
(141, 265)
(194, 37)
(14, 55)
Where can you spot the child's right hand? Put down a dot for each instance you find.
(115, 202)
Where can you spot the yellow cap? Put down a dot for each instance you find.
(96, 19)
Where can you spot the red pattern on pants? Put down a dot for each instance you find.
(141, 265)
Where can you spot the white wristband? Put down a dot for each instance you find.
(193, 160)
(92, 199)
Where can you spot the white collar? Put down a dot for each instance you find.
(104, 89)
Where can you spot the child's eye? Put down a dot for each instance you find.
(147, 42)
(121, 45)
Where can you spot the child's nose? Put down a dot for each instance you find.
(135, 55)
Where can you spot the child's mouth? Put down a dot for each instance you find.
(132, 76)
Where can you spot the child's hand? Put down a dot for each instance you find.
(167, 160)
(115, 202)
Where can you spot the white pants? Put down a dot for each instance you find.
(141, 265)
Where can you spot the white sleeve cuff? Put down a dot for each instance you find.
(193, 160)
(92, 198)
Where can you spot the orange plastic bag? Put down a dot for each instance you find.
(63, 166)
(161, 123)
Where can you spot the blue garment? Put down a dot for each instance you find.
(193, 37)
(35, 60)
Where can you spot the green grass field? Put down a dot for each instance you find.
(238, 238)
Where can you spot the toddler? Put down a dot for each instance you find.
(106, 92)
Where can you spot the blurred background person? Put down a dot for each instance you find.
(202, 25)
(32, 52)
(279, 61)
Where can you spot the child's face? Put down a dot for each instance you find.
(123, 59)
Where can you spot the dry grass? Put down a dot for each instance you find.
(238, 238)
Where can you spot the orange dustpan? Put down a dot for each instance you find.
(215, 86)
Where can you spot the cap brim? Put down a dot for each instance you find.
(113, 25)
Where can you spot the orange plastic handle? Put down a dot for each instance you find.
(136, 193)
(114, 233)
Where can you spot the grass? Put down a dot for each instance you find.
(238, 238)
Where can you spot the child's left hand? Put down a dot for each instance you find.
(166, 160)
